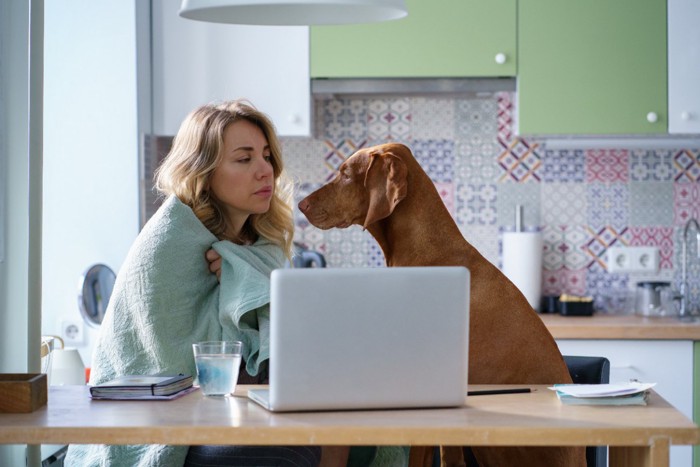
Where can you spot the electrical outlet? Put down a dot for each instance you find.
(633, 259)
(72, 331)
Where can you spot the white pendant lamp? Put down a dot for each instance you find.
(293, 12)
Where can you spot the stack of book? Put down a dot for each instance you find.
(137, 387)
(632, 393)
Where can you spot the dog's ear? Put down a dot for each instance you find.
(385, 182)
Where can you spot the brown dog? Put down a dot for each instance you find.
(384, 189)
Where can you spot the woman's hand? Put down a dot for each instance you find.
(214, 259)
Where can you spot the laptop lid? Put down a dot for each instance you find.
(368, 338)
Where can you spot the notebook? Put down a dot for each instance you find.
(367, 338)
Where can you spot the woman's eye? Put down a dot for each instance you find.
(268, 158)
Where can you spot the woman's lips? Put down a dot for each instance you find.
(264, 192)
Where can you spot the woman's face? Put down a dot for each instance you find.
(244, 180)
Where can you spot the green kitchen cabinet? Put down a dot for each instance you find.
(595, 67)
(438, 38)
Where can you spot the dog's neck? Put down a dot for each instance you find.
(421, 218)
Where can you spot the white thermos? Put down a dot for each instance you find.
(522, 259)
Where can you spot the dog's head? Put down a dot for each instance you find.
(367, 188)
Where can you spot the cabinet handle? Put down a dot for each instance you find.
(685, 116)
(500, 58)
(295, 119)
(652, 117)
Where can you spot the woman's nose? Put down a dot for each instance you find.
(265, 168)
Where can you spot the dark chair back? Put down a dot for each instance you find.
(590, 370)
(583, 370)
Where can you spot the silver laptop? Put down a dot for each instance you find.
(367, 338)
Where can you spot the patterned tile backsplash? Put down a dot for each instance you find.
(584, 201)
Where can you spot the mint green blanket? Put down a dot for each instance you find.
(164, 300)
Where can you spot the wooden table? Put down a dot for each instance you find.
(637, 436)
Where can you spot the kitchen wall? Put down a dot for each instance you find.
(584, 200)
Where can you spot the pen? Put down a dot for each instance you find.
(487, 392)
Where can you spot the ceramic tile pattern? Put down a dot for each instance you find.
(648, 165)
(563, 166)
(583, 200)
(607, 203)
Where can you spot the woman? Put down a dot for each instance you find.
(225, 187)
(226, 165)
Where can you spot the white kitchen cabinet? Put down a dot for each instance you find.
(683, 66)
(194, 63)
(669, 363)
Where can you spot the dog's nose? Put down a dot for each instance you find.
(303, 205)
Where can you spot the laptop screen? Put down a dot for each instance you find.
(368, 337)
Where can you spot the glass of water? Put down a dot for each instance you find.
(217, 366)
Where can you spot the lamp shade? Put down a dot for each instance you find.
(293, 12)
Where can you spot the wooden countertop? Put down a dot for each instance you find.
(620, 327)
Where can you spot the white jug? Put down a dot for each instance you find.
(67, 367)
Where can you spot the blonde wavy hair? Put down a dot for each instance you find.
(197, 150)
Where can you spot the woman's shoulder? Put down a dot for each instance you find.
(174, 216)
